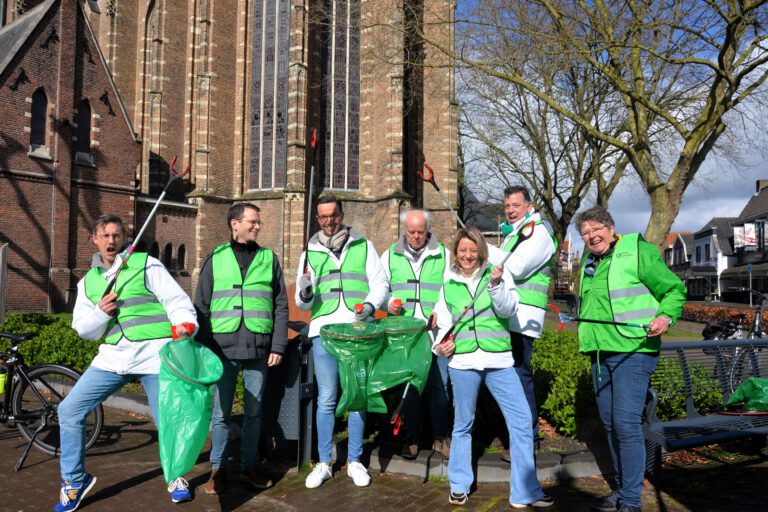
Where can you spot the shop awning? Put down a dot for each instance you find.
(758, 269)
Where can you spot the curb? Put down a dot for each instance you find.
(490, 469)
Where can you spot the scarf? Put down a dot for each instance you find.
(336, 242)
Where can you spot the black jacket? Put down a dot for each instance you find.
(242, 344)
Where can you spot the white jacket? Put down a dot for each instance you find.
(530, 256)
(505, 303)
(132, 357)
(432, 249)
(377, 282)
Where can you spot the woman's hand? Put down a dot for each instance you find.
(496, 274)
(107, 303)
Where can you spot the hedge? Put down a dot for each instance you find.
(561, 374)
(55, 340)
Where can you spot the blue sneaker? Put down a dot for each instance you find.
(179, 490)
(72, 494)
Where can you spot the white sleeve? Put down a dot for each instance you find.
(531, 254)
(504, 296)
(88, 320)
(444, 319)
(378, 284)
(306, 306)
(177, 304)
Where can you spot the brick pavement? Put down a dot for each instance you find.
(130, 478)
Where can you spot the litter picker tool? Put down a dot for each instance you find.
(396, 420)
(430, 178)
(524, 233)
(566, 318)
(127, 253)
(312, 158)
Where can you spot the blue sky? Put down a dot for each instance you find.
(720, 193)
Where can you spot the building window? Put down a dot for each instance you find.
(707, 254)
(268, 162)
(39, 126)
(83, 142)
(341, 96)
(181, 257)
(154, 250)
(698, 254)
(168, 257)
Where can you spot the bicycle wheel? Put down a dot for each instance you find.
(38, 403)
(741, 368)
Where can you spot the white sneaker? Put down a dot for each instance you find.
(320, 473)
(359, 474)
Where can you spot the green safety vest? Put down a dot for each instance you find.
(480, 327)
(412, 290)
(534, 291)
(235, 299)
(139, 316)
(630, 299)
(332, 283)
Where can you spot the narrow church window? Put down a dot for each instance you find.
(39, 127)
(83, 143)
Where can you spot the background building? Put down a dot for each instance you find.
(234, 88)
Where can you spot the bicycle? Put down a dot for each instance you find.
(736, 364)
(31, 399)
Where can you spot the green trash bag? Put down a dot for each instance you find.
(187, 372)
(356, 347)
(406, 358)
(753, 393)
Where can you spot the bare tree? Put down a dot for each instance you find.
(513, 137)
(678, 72)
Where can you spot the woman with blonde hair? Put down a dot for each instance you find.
(479, 351)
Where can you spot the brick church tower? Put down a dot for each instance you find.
(234, 88)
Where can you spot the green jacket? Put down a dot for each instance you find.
(664, 286)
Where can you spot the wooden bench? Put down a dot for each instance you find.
(692, 382)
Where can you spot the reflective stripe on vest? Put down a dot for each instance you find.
(630, 300)
(332, 282)
(412, 290)
(480, 327)
(534, 291)
(234, 299)
(139, 316)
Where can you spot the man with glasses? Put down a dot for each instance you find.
(531, 268)
(415, 267)
(243, 310)
(623, 279)
(339, 271)
(135, 321)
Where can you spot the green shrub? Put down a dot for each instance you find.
(563, 382)
(668, 383)
(55, 340)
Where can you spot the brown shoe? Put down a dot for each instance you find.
(217, 482)
(443, 446)
(256, 478)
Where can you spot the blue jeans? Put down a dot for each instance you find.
(91, 389)
(504, 385)
(327, 376)
(439, 403)
(522, 350)
(254, 378)
(621, 383)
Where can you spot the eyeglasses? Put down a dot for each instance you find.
(325, 218)
(106, 236)
(586, 234)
